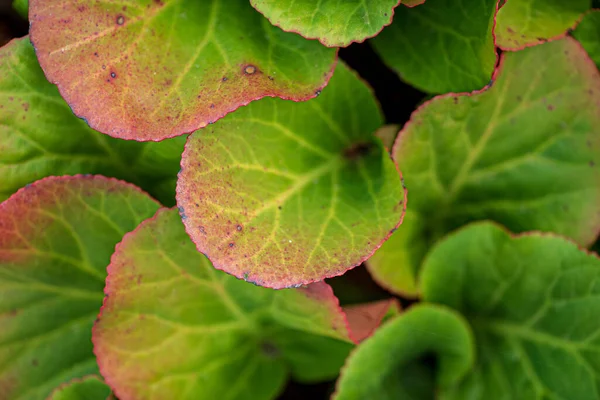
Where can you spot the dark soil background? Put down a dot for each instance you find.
(397, 100)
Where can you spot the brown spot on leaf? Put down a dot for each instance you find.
(120, 20)
(113, 75)
(250, 70)
(239, 227)
(269, 349)
(358, 150)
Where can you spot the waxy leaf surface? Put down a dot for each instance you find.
(283, 193)
(523, 23)
(532, 302)
(588, 34)
(525, 153)
(56, 239)
(441, 46)
(86, 388)
(194, 332)
(333, 22)
(40, 136)
(150, 70)
(387, 365)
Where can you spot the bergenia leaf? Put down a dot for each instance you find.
(21, 6)
(525, 153)
(56, 239)
(382, 367)
(532, 301)
(86, 388)
(282, 194)
(588, 34)
(441, 46)
(172, 319)
(412, 3)
(335, 23)
(40, 136)
(523, 23)
(365, 318)
(154, 69)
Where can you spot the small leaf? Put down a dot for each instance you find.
(282, 194)
(525, 153)
(523, 23)
(532, 301)
(442, 46)
(155, 69)
(56, 238)
(378, 368)
(364, 318)
(333, 23)
(170, 318)
(22, 7)
(387, 134)
(588, 34)
(87, 388)
(40, 136)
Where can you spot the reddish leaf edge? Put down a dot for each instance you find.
(72, 381)
(414, 4)
(341, 270)
(129, 135)
(566, 33)
(324, 42)
(43, 183)
(327, 290)
(589, 64)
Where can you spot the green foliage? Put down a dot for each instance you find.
(286, 170)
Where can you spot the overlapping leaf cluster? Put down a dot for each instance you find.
(283, 174)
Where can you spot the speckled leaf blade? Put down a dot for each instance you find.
(441, 46)
(283, 193)
(334, 23)
(56, 238)
(532, 301)
(86, 388)
(588, 34)
(150, 70)
(525, 153)
(523, 23)
(379, 366)
(198, 333)
(40, 136)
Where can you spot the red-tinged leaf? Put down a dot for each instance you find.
(154, 69)
(194, 332)
(87, 388)
(283, 194)
(365, 318)
(56, 238)
(412, 3)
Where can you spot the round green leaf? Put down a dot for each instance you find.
(532, 301)
(174, 327)
(523, 23)
(40, 136)
(282, 194)
(380, 368)
(334, 23)
(87, 388)
(525, 153)
(442, 46)
(56, 239)
(588, 34)
(154, 69)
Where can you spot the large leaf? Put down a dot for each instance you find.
(532, 302)
(40, 136)
(153, 69)
(282, 194)
(525, 153)
(173, 327)
(588, 34)
(333, 22)
(87, 388)
(522, 23)
(441, 46)
(383, 367)
(56, 238)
